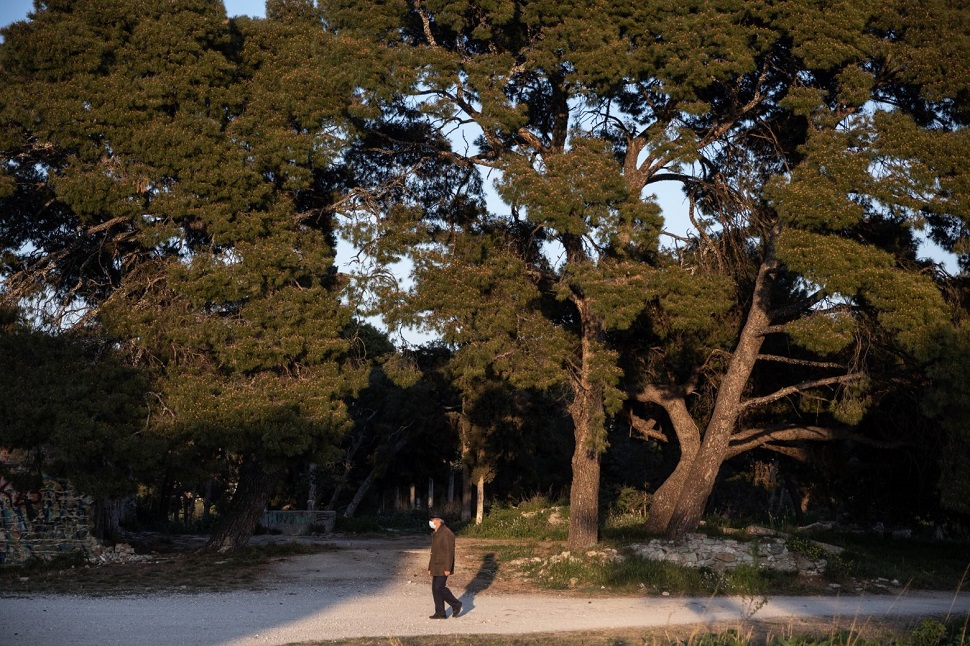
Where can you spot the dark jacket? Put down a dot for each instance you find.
(442, 552)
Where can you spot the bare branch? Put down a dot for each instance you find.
(797, 307)
(797, 388)
(647, 428)
(426, 23)
(767, 436)
(800, 362)
(661, 395)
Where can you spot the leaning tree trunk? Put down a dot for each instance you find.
(379, 467)
(714, 450)
(246, 508)
(348, 467)
(664, 501)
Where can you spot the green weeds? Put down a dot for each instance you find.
(535, 518)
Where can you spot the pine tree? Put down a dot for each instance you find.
(168, 174)
(801, 135)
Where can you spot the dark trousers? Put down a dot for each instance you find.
(441, 594)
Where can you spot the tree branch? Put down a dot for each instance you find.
(797, 388)
(791, 310)
(800, 362)
(647, 428)
(766, 437)
(426, 23)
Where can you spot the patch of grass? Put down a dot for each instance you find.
(824, 633)
(624, 528)
(634, 574)
(534, 518)
(176, 571)
(918, 564)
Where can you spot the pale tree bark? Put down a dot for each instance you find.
(480, 500)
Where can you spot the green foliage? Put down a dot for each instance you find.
(582, 107)
(799, 545)
(75, 407)
(175, 176)
(823, 334)
(536, 519)
(948, 401)
(929, 633)
(189, 165)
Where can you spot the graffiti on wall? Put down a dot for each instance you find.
(44, 523)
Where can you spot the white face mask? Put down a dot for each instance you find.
(431, 524)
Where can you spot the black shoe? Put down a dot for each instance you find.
(456, 610)
(437, 616)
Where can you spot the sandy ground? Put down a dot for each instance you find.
(380, 588)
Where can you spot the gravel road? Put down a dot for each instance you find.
(381, 588)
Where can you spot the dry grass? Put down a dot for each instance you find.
(825, 632)
(165, 570)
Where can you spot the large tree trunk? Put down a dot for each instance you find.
(689, 508)
(665, 498)
(108, 515)
(584, 498)
(462, 424)
(246, 508)
(466, 492)
(589, 430)
(587, 414)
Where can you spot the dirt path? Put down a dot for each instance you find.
(380, 588)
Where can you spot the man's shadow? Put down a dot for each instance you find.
(481, 581)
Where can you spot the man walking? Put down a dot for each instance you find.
(440, 567)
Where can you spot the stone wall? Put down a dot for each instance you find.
(42, 524)
(299, 522)
(717, 553)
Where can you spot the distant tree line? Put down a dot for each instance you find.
(174, 184)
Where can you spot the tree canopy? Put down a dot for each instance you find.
(177, 181)
(168, 176)
(810, 143)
